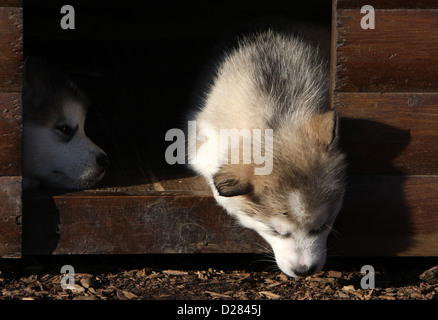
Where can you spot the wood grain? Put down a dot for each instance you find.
(383, 215)
(11, 3)
(10, 216)
(11, 53)
(388, 216)
(10, 134)
(387, 4)
(390, 133)
(11, 48)
(114, 223)
(383, 84)
(399, 55)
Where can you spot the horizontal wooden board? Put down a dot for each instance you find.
(114, 223)
(391, 133)
(11, 48)
(387, 4)
(388, 216)
(399, 55)
(383, 215)
(10, 133)
(10, 216)
(11, 3)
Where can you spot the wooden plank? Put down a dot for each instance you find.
(11, 49)
(11, 3)
(383, 215)
(333, 53)
(388, 216)
(10, 134)
(383, 84)
(113, 223)
(391, 133)
(399, 55)
(10, 216)
(388, 4)
(10, 88)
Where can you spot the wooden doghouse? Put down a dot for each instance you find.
(383, 83)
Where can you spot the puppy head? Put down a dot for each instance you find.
(56, 150)
(59, 154)
(295, 206)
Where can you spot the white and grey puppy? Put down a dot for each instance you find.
(279, 81)
(56, 150)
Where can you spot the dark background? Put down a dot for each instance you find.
(139, 61)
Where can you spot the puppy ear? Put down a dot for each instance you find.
(231, 182)
(324, 127)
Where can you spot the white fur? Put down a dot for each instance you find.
(50, 161)
(299, 248)
(238, 99)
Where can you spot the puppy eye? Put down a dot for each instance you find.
(279, 234)
(65, 131)
(325, 226)
(62, 128)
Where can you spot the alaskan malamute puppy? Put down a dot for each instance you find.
(279, 81)
(56, 151)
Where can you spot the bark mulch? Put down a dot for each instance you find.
(213, 277)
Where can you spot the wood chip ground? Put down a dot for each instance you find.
(110, 279)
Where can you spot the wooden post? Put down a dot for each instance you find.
(11, 54)
(385, 89)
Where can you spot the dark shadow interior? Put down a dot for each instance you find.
(139, 61)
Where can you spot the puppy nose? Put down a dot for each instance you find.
(303, 270)
(102, 160)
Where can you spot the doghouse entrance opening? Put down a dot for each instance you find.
(139, 64)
